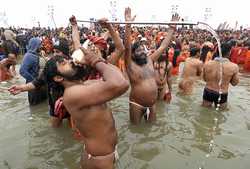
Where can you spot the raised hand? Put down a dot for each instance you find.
(127, 15)
(175, 17)
(72, 20)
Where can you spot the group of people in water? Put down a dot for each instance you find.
(114, 59)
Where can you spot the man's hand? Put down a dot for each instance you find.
(72, 20)
(16, 89)
(90, 57)
(175, 18)
(104, 23)
(127, 15)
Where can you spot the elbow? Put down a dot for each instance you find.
(121, 86)
(235, 83)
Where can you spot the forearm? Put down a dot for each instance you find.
(108, 71)
(167, 39)
(127, 43)
(28, 87)
(169, 82)
(116, 38)
(163, 46)
(76, 37)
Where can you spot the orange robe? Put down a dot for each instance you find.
(247, 62)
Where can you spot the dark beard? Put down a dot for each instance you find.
(81, 73)
(139, 60)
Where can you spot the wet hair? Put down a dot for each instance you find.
(111, 48)
(205, 49)
(50, 69)
(225, 49)
(194, 51)
(104, 54)
(176, 54)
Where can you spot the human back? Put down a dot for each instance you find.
(212, 75)
(192, 68)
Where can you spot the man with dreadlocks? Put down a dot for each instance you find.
(163, 77)
(86, 103)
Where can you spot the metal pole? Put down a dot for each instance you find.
(144, 23)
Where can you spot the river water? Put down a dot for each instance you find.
(185, 135)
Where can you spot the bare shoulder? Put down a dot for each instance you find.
(71, 94)
(235, 67)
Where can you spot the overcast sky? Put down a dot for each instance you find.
(29, 12)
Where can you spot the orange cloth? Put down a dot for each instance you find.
(98, 41)
(247, 62)
(234, 54)
(175, 70)
(209, 56)
(47, 45)
(242, 55)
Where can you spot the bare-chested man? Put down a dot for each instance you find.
(140, 70)
(211, 75)
(86, 103)
(163, 77)
(191, 71)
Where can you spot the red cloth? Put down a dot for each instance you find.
(60, 110)
(234, 54)
(47, 45)
(247, 62)
(242, 56)
(175, 70)
(100, 41)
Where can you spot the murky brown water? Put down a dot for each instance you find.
(179, 139)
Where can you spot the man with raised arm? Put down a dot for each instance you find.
(114, 57)
(86, 103)
(140, 70)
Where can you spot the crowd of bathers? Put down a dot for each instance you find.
(110, 58)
